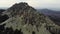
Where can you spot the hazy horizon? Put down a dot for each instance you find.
(40, 4)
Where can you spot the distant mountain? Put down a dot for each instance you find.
(3, 17)
(49, 12)
(52, 14)
(2, 10)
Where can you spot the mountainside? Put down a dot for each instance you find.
(53, 15)
(24, 19)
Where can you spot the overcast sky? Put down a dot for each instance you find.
(54, 4)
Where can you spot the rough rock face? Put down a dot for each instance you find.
(26, 19)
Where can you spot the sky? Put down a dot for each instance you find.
(50, 4)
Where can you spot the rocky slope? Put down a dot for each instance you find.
(24, 19)
(52, 14)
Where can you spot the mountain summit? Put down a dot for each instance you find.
(19, 8)
(28, 20)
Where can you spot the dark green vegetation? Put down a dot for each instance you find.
(23, 19)
(9, 30)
